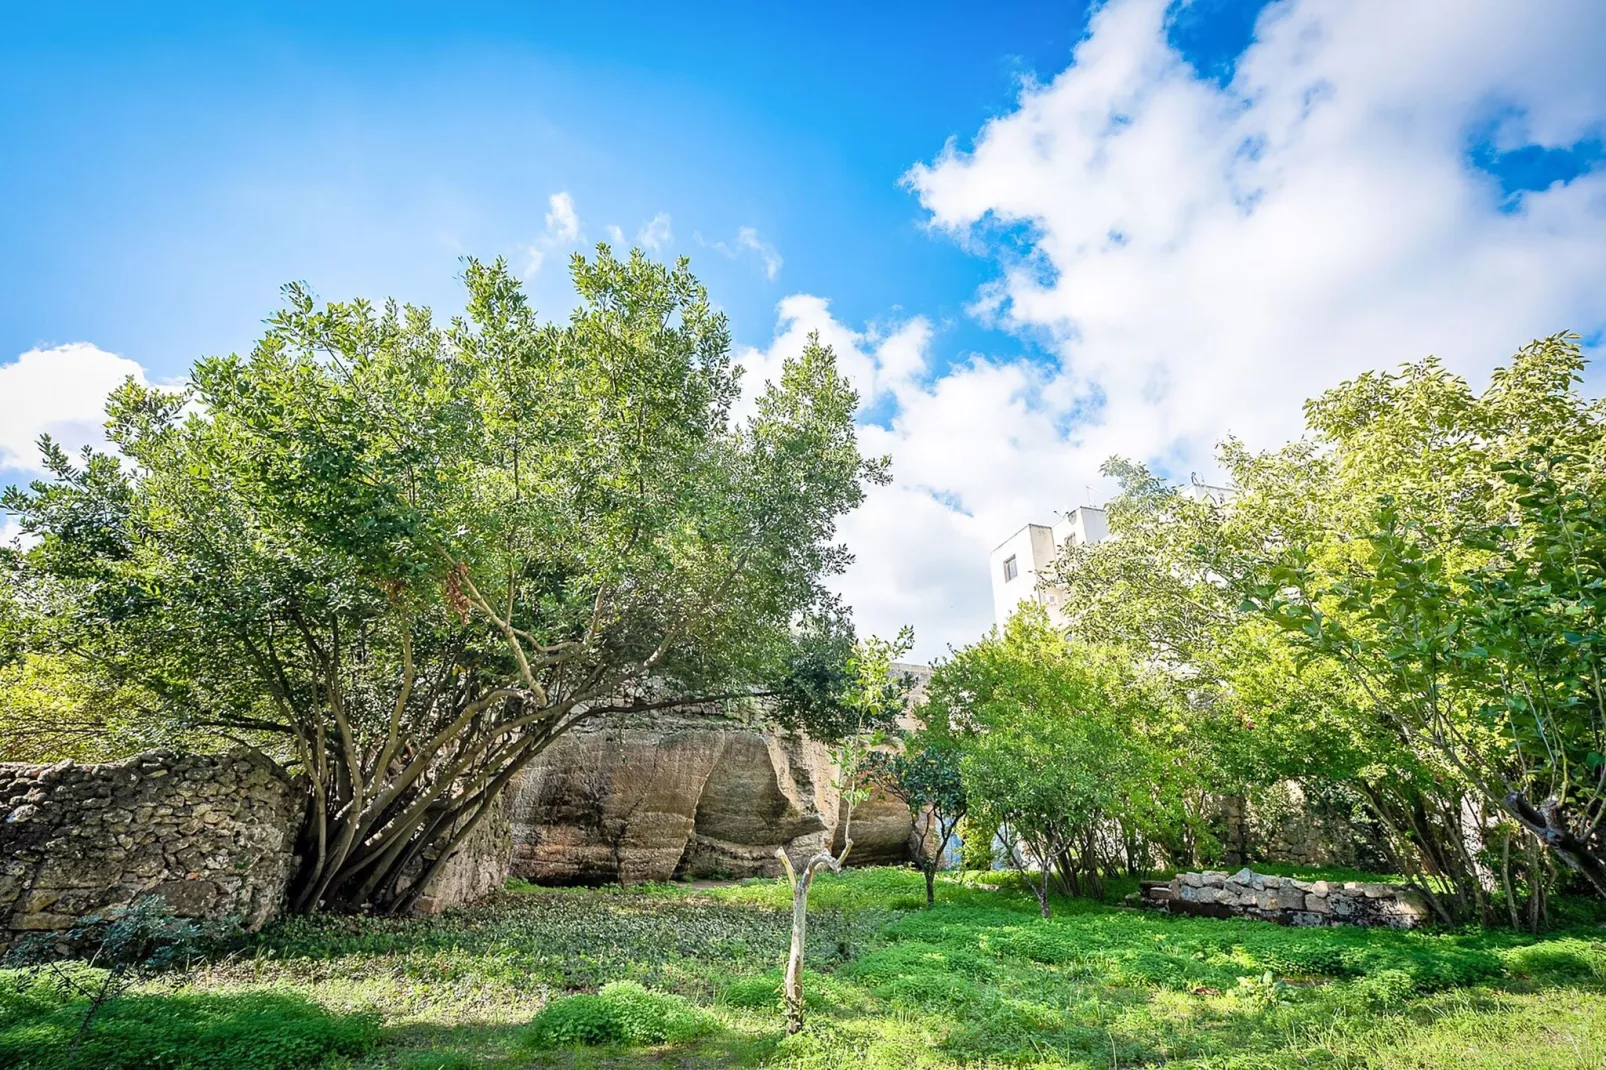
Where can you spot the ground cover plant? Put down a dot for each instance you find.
(667, 975)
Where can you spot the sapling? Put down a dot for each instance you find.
(871, 694)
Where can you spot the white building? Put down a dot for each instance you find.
(1016, 562)
(1018, 559)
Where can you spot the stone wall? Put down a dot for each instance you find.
(685, 796)
(1247, 894)
(211, 834)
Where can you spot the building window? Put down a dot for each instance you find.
(1011, 569)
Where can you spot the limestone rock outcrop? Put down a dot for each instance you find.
(685, 796)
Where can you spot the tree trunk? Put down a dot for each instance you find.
(792, 986)
(931, 882)
(1549, 825)
(792, 990)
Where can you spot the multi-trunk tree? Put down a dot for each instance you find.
(403, 556)
(1061, 750)
(1461, 581)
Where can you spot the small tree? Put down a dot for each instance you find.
(1058, 751)
(925, 775)
(873, 698)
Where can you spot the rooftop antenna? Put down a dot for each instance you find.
(1089, 491)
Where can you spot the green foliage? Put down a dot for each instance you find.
(1459, 578)
(126, 943)
(196, 1031)
(1058, 740)
(976, 846)
(762, 992)
(623, 1012)
(980, 979)
(925, 773)
(404, 555)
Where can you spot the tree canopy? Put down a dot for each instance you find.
(404, 555)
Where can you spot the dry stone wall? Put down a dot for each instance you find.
(211, 834)
(1247, 894)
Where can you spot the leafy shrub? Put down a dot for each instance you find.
(623, 1012)
(1562, 961)
(244, 1031)
(1385, 988)
(1265, 991)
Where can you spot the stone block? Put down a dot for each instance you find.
(1317, 904)
(42, 923)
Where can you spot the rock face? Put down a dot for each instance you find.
(477, 868)
(688, 795)
(1247, 894)
(211, 834)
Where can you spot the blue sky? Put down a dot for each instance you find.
(170, 172)
(1035, 297)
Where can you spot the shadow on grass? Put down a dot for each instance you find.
(505, 1047)
(200, 1031)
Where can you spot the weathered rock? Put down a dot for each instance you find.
(687, 795)
(479, 865)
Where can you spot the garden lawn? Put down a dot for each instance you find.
(666, 976)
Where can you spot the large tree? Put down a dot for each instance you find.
(1459, 576)
(406, 556)
(1264, 708)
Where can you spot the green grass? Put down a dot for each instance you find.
(667, 976)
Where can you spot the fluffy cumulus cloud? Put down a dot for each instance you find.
(60, 392)
(1198, 259)
(1206, 257)
(975, 452)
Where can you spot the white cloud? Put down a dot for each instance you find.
(747, 238)
(562, 224)
(616, 235)
(562, 229)
(1201, 260)
(60, 391)
(747, 241)
(656, 233)
(1208, 258)
(880, 362)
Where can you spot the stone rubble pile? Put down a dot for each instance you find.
(1247, 894)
